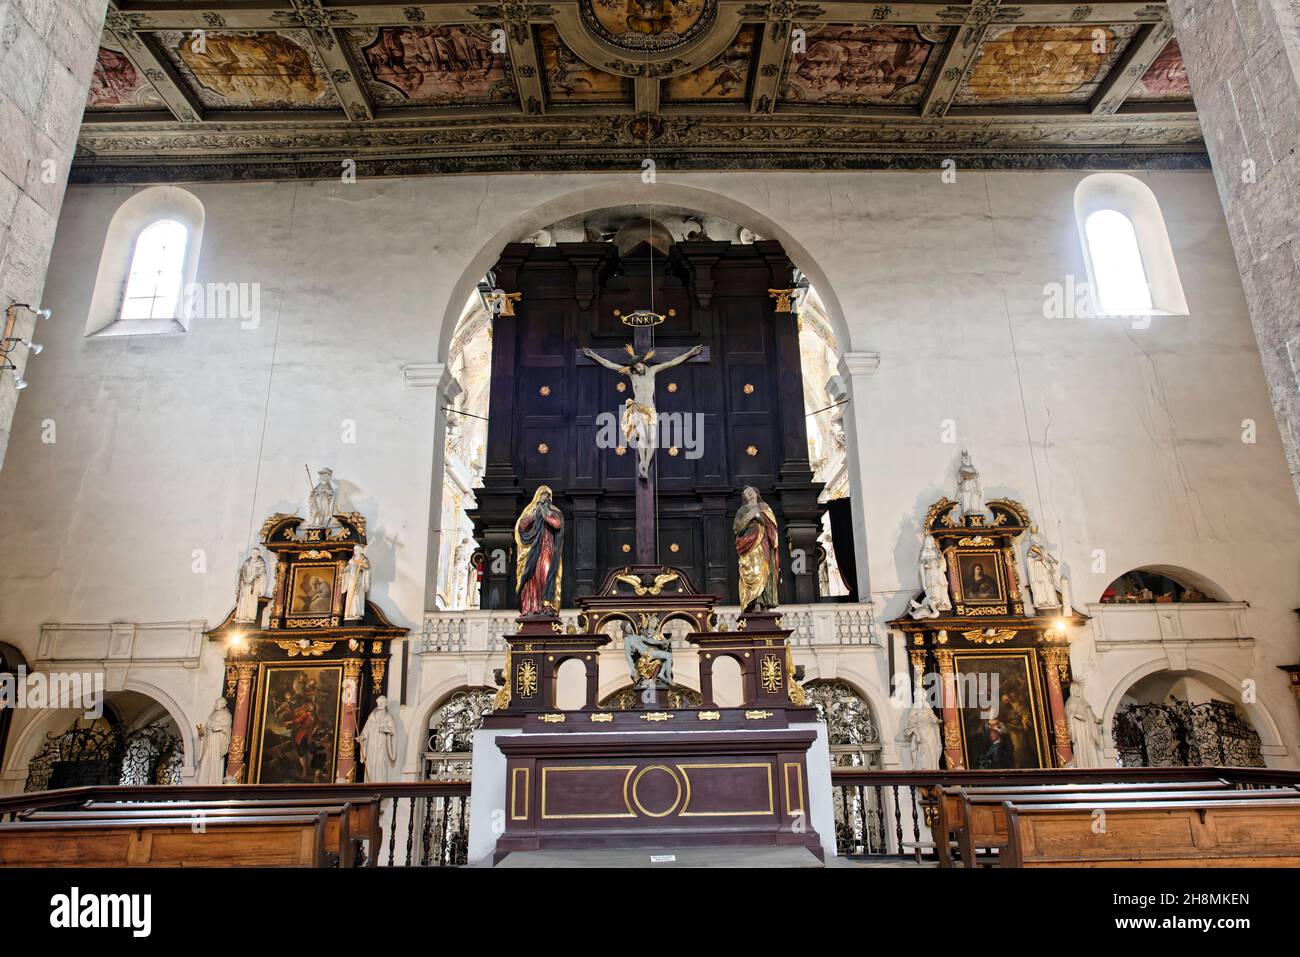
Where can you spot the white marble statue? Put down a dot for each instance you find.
(923, 733)
(214, 745)
(377, 742)
(252, 586)
(969, 494)
(356, 585)
(1041, 568)
(320, 504)
(1085, 729)
(934, 580)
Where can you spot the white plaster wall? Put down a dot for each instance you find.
(1123, 440)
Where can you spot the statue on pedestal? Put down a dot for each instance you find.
(356, 585)
(640, 421)
(214, 745)
(1041, 568)
(251, 587)
(649, 655)
(969, 493)
(923, 734)
(1085, 729)
(756, 549)
(377, 742)
(320, 504)
(934, 579)
(539, 542)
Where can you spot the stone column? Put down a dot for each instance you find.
(857, 370)
(951, 719)
(1243, 61)
(437, 378)
(47, 55)
(239, 726)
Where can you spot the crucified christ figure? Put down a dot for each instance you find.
(639, 417)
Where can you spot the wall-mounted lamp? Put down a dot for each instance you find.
(8, 341)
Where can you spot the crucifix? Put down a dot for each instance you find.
(640, 420)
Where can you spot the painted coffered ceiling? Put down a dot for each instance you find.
(238, 89)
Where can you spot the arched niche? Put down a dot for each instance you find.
(1162, 584)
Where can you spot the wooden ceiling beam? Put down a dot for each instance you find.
(1128, 72)
(958, 57)
(148, 60)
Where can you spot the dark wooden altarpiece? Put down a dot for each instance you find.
(546, 398)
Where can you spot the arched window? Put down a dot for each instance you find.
(1126, 248)
(153, 285)
(1120, 279)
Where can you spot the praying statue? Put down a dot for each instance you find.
(756, 549)
(934, 580)
(969, 494)
(377, 742)
(923, 735)
(356, 585)
(1085, 729)
(649, 655)
(1041, 567)
(320, 504)
(214, 745)
(639, 417)
(539, 542)
(251, 587)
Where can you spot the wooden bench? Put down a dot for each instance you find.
(268, 840)
(951, 815)
(985, 818)
(1199, 831)
(359, 824)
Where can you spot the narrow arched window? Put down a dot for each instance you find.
(153, 285)
(1121, 280)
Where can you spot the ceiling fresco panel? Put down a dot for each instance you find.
(725, 78)
(863, 65)
(647, 24)
(250, 70)
(1043, 65)
(117, 85)
(567, 78)
(433, 66)
(1165, 79)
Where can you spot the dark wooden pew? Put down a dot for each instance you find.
(951, 812)
(985, 818)
(345, 838)
(268, 840)
(1203, 831)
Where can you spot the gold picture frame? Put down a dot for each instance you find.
(1016, 735)
(296, 725)
(978, 576)
(313, 590)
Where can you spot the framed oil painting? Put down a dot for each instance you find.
(297, 724)
(979, 576)
(311, 592)
(1003, 721)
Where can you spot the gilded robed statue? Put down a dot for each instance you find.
(756, 550)
(539, 540)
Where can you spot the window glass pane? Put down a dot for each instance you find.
(1122, 286)
(154, 283)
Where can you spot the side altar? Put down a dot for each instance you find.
(757, 774)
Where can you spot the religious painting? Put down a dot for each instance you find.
(1165, 78)
(884, 65)
(979, 577)
(725, 77)
(250, 70)
(117, 85)
(647, 24)
(1000, 705)
(567, 78)
(1033, 64)
(311, 590)
(297, 729)
(438, 65)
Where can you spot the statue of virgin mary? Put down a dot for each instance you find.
(756, 551)
(539, 541)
